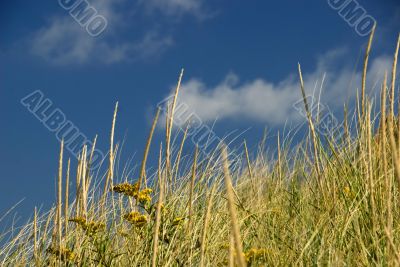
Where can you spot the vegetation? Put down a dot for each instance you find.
(326, 201)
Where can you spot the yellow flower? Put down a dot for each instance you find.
(127, 189)
(177, 221)
(132, 190)
(346, 190)
(136, 218)
(143, 196)
(147, 191)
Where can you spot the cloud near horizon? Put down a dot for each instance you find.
(269, 102)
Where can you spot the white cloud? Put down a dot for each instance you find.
(268, 102)
(176, 7)
(63, 41)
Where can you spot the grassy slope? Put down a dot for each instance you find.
(335, 203)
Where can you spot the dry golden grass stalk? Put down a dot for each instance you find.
(303, 92)
(167, 116)
(158, 212)
(59, 194)
(393, 246)
(109, 179)
(191, 189)
(248, 160)
(146, 151)
(394, 72)
(170, 124)
(93, 149)
(364, 74)
(206, 222)
(35, 247)
(347, 137)
(90, 161)
(358, 108)
(249, 167)
(231, 255)
(178, 157)
(78, 201)
(84, 183)
(167, 138)
(262, 144)
(46, 227)
(383, 132)
(369, 167)
(78, 185)
(395, 154)
(66, 198)
(232, 210)
(54, 233)
(392, 88)
(312, 129)
(279, 159)
(388, 179)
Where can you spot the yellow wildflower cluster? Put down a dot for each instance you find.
(65, 253)
(255, 254)
(91, 228)
(127, 189)
(132, 190)
(143, 196)
(136, 219)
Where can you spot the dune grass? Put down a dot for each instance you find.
(326, 201)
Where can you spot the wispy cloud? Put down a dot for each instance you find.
(264, 101)
(63, 41)
(176, 7)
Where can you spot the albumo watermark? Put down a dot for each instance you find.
(86, 15)
(200, 133)
(56, 122)
(355, 15)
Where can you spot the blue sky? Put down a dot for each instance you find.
(240, 60)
